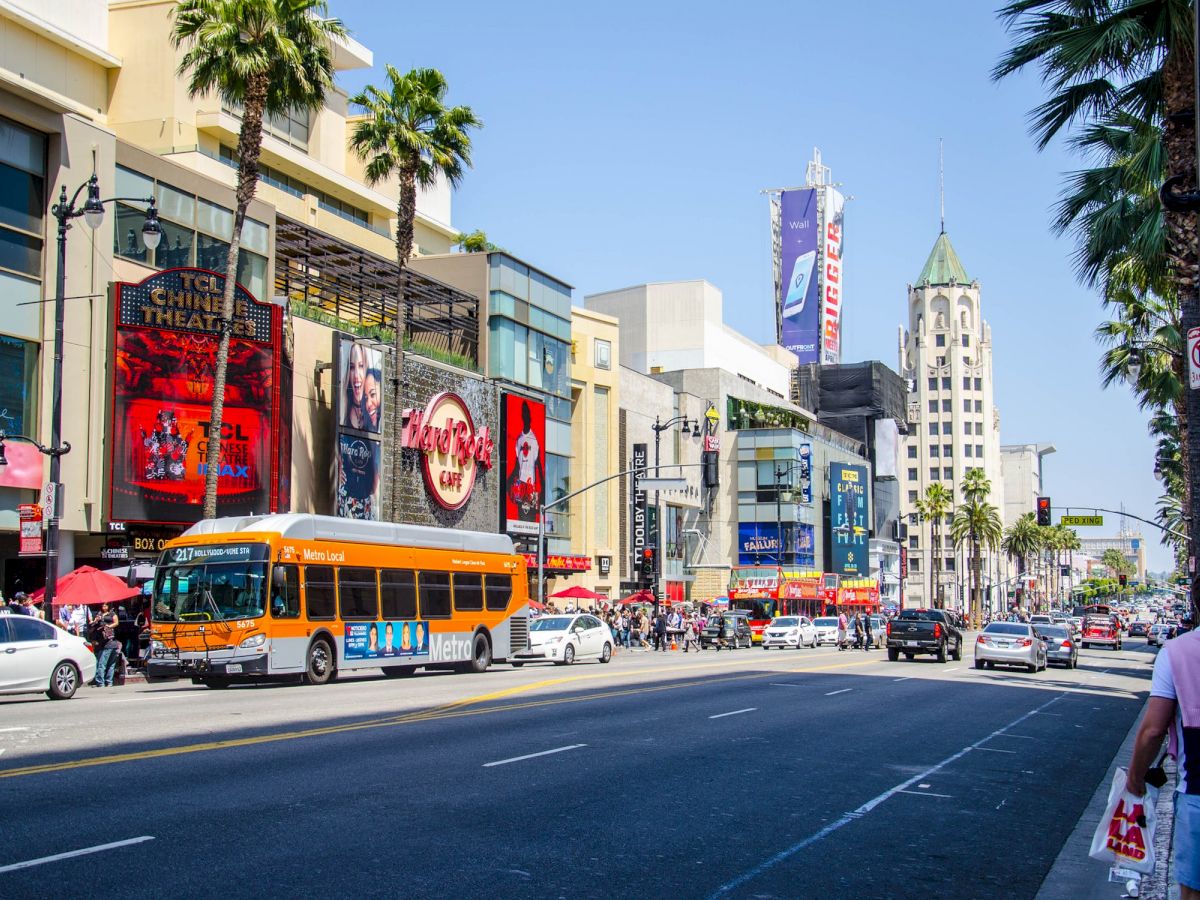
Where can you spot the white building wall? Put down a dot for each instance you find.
(1022, 468)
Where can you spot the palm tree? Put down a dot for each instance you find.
(933, 508)
(474, 242)
(976, 488)
(268, 57)
(408, 132)
(1022, 540)
(976, 523)
(1068, 542)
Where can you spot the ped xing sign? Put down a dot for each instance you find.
(1077, 521)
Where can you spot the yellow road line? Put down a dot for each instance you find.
(457, 709)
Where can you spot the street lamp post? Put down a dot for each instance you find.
(659, 427)
(93, 214)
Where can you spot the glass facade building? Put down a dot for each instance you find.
(529, 343)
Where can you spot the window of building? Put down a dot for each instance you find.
(933, 383)
(22, 198)
(933, 406)
(941, 363)
(966, 382)
(966, 449)
(979, 384)
(966, 406)
(966, 427)
(948, 473)
(933, 428)
(599, 499)
(914, 564)
(934, 472)
(319, 592)
(946, 427)
(914, 542)
(912, 496)
(978, 406)
(912, 474)
(946, 383)
(397, 594)
(979, 450)
(603, 354)
(933, 449)
(358, 595)
(912, 451)
(966, 340)
(949, 563)
(979, 428)
(946, 405)
(18, 385)
(939, 340)
(947, 450)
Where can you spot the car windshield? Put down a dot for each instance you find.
(1007, 628)
(786, 622)
(1043, 619)
(1053, 631)
(551, 623)
(825, 622)
(216, 583)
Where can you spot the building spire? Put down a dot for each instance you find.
(942, 183)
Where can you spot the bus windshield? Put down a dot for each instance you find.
(213, 583)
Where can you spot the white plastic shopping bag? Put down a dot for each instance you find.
(1125, 833)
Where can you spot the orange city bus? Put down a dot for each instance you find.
(308, 596)
(769, 591)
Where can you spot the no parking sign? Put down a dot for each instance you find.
(1193, 345)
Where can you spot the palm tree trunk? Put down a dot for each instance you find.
(249, 147)
(976, 567)
(1179, 140)
(406, 214)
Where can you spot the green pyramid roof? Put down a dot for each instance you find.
(943, 265)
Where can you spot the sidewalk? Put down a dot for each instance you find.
(1076, 876)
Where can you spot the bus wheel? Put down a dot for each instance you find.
(481, 655)
(320, 667)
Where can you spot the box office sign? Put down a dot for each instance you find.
(165, 336)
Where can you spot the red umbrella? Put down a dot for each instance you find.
(639, 597)
(88, 586)
(533, 604)
(578, 593)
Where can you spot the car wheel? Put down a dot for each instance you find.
(979, 663)
(64, 682)
(1031, 668)
(568, 655)
(606, 653)
(893, 654)
(958, 651)
(941, 652)
(321, 667)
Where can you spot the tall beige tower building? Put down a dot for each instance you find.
(946, 356)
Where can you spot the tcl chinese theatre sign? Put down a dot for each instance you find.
(452, 448)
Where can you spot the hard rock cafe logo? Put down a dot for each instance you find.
(452, 447)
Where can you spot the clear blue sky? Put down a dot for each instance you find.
(629, 141)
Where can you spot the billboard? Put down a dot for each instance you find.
(799, 298)
(523, 442)
(759, 542)
(358, 411)
(832, 245)
(803, 471)
(165, 335)
(849, 516)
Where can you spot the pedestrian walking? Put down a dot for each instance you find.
(1174, 709)
(867, 641)
(843, 631)
(858, 631)
(660, 631)
(691, 632)
(105, 629)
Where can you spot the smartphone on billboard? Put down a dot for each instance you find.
(797, 291)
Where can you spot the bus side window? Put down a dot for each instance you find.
(468, 591)
(357, 593)
(285, 592)
(498, 591)
(397, 594)
(435, 594)
(318, 590)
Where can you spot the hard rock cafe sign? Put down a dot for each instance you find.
(452, 447)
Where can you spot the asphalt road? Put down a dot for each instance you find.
(747, 774)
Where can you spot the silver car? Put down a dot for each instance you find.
(1061, 646)
(1010, 644)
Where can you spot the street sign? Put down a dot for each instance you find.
(1193, 344)
(662, 484)
(49, 496)
(1077, 521)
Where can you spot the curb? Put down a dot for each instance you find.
(1076, 876)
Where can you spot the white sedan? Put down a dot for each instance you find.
(36, 656)
(564, 639)
(827, 627)
(790, 631)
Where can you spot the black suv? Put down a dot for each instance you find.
(737, 630)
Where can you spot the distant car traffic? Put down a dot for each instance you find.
(1159, 632)
(563, 639)
(1061, 646)
(1040, 619)
(1010, 644)
(827, 627)
(37, 657)
(1138, 629)
(789, 631)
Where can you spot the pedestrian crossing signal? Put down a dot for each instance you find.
(1043, 511)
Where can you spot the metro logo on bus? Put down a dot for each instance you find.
(445, 433)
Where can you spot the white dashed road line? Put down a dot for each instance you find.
(99, 848)
(504, 762)
(842, 691)
(736, 712)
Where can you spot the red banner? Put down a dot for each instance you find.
(565, 563)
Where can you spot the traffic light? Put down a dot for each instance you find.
(1123, 579)
(649, 564)
(1043, 510)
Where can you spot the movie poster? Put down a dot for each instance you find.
(358, 478)
(523, 460)
(164, 361)
(849, 518)
(359, 413)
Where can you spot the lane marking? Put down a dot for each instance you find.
(453, 710)
(925, 794)
(954, 669)
(784, 684)
(1024, 737)
(19, 728)
(736, 712)
(505, 762)
(99, 848)
(994, 750)
(842, 691)
(861, 811)
(905, 678)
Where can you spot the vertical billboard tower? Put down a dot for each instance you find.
(808, 240)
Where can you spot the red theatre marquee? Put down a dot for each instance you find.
(165, 335)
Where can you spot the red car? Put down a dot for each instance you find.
(1102, 630)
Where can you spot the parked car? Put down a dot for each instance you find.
(737, 630)
(1061, 646)
(916, 631)
(878, 632)
(1010, 644)
(564, 639)
(36, 656)
(826, 629)
(789, 631)
(1138, 629)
